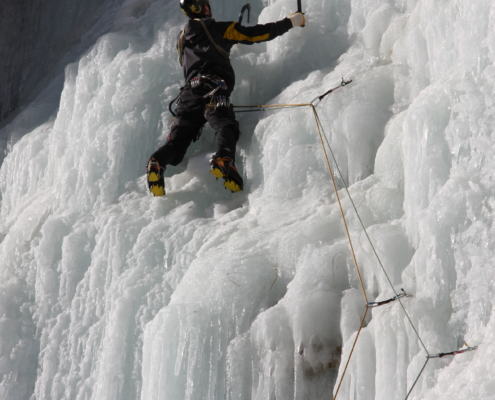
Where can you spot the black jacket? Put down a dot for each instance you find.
(201, 56)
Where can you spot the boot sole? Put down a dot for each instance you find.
(217, 172)
(157, 190)
(232, 186)
(229, 184)
(153, 177)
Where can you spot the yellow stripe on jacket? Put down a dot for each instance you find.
(232, 34)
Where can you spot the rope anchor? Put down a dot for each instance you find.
(452, 353)
(381, 303)
(342, 84)
(273, 107)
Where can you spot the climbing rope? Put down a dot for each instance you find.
(368, 304)
(417, 379)
(350, 354)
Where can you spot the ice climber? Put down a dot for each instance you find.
(204, 47)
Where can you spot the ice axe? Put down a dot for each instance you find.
(245, 7)
(299, 9)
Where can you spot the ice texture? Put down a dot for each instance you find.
(109, 293)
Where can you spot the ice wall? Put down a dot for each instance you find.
(108, 293)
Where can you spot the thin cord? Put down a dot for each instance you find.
(416, 381)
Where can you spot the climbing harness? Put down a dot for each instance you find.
(381, 303)
(218, 93)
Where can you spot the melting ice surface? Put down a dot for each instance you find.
(109, 293)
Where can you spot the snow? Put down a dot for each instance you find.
(109, 293)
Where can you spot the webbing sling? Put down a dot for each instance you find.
(220, 50)
(180, 45)
(182, 39)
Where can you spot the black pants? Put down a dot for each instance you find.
(191, 116)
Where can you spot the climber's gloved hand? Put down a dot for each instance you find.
(297, 19)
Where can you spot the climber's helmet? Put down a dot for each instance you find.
(194, 8)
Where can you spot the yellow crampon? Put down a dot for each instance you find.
(217, 170)
(153, 184)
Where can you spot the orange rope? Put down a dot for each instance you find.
(350, 354)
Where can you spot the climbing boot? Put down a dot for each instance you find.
(224, 167)
(156, 182)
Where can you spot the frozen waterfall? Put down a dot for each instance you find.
(107, 293)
